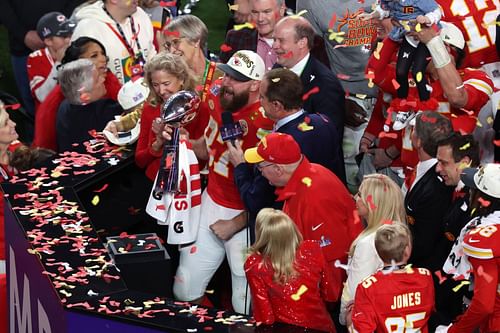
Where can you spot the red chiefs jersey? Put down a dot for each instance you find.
(479, 87)
(482, 246)
(401, 301)
(255, 125)
(476, 19)
(39, 66)
(483, 242)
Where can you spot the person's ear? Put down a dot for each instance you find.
(255, 86)
(278, 105)
(302, 42)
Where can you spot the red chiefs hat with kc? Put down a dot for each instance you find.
(276, 148)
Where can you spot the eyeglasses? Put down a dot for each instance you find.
(174, 43)
(260, 166)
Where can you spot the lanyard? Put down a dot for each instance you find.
(208, 76)
(138, 58)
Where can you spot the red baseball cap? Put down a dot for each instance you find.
(277, 148)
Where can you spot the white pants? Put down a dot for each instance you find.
(199, 261)
(350, 144)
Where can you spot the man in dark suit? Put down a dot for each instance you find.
(323, 93)
(454, 154)
(428, 198)
(281, 98)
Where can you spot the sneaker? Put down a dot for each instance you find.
(402, 120)
(414, 119)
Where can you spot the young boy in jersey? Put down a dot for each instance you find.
(397, 297)
(55, 30)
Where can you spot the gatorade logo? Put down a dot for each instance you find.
(179, 227)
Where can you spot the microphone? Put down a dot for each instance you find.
(230, 131)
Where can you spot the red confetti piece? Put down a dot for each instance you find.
(460, 277)
(496, 143)
(168, 3)
(428, 119)
(370, 75)
(86, 305)
(483, 274)
(483, 202)
(332, 21)
(440, 276)
(83, 172)
(369, 198)
(343, 76)
(126, 235)
(168, 161)
(339, 46)
(355, 214)
(160, 207)
(388, 222)
(12, 106)
(104, 187)
(104, 300)
(287, 55)
(395, 84)
(225, 48)
(149, 246)
(469, 112)
(172, 33)
(314, 90)
(387, 135)
(193, 249)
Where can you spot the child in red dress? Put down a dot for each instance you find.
(287, 276)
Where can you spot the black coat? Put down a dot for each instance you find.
(426, 206)
(329, 100)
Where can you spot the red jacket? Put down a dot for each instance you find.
(323, 210)
(145, 157)
(274, 302)
(45, 116)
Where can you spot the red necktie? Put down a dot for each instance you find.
(410, 179)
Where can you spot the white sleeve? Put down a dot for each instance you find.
(434, 16)
(46, 87)
(365, 261)
(382, 13)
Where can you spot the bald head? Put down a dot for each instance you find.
(293, 39)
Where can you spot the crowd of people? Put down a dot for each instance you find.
(358, 186)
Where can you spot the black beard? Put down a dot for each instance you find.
(238, 101)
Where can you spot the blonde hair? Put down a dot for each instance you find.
(384, 201)
(3, 113)
(172, 64)
(391, 241)
(277, 240)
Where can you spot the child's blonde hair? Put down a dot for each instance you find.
(277, 240)
(391, 242)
